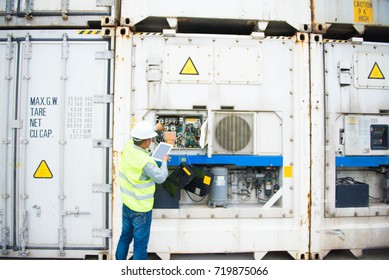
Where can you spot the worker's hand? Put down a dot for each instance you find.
(159, 127)
(166, 158)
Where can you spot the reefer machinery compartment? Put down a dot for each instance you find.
(55, 138)
(349, 193)
(221, 114)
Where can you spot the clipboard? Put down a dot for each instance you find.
(161, 150)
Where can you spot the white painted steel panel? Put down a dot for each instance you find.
(7, 7)
(371, 70)
(366, 12)
(8, 58)
(247, 71)
(296, 13)
(63, 174)
(57, 6)
(188, 64)
(278, 105)
(57, 13)
(370, 98)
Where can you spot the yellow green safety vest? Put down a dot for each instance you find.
(138, 195)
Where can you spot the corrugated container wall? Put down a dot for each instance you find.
(218, 16)
(58, 13)
(55, 144)
(351, 18)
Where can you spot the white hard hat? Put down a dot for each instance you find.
(143, 130)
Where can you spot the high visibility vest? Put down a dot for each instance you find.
(137, 194)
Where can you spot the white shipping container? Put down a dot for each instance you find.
(57, 13)
(349, 194)
(178, 14)
(190, 78)
(56, 140)
(363, 16)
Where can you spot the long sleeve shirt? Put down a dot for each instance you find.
(157, 174)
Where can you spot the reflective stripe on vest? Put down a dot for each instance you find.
(137, 194)
(137, 186)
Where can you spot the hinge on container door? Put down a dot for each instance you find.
(65, 47)
(5, 234)
(102, 143)
(104, 55)
(61, 240)
(23, 236)
(29, 4)
(102, 188)
(27, 52)
(107, 98)
(102, 232)
(105, 3)
(5, 240)
(64, 8)
(10, 48)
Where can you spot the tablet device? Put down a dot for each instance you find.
(161, 150)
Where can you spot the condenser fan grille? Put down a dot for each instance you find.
(233, 132)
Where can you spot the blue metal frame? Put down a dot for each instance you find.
(238, 160)
(360, 161)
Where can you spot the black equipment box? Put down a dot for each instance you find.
(352, 195)
(201, 184)
(164, 200)
(179, 178)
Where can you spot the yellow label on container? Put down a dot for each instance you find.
(189, 68)
(288, 171)
(352, 120)
(43, 171)
(207, 180)
(376, 73)
(363, 11)
(186, 171)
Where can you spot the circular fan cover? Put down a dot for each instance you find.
(233, 133)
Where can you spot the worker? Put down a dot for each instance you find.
(138, 174)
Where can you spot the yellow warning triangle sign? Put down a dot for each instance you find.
(189, 68)
(376, 72)
(43, 171)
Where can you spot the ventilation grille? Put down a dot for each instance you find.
(233, 133)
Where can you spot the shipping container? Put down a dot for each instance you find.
(350, 146)
(246, 123)
(218, 16)
(56, 139)
(58, 13)
(350, 18)
(276, 110)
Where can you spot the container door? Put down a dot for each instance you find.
(63, 172)
(64, 6)
(7, 106)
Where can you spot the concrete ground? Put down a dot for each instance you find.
(370, 254)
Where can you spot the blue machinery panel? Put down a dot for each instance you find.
(246, 160)
(238, 160)
(359, 161)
